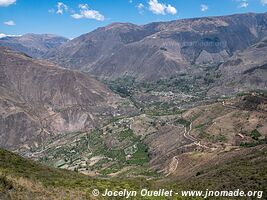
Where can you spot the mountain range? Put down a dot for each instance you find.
(181, 101)
(34, 45)
(160, 50)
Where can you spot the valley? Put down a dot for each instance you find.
(176, 105)
(158, 144)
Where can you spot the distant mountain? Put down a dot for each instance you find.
(160, 50)
(39, 100)
(88, 49)
(34, 45)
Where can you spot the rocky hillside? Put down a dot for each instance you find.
(161, 50)
(39, 100)
(34, 45)
(245, 70)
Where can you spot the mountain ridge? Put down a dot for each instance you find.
(161, 49)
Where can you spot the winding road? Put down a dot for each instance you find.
(187, 134)
(175, 160)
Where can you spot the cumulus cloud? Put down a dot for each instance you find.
(156, 7)
(161, 8)
(243, 4)
(264, 2)
(204, 7)
(87, 13)
(61, 8)
(10, 23)
(171, 10)
(5, 3)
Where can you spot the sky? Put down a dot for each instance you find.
(71, 18)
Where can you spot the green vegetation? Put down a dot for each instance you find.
(193, 118)
(19, 175)
(203, 135)
(52, 180)
(134, 147)
(257, 140)
(5, 184)
(128, 85)
(255, 134)
(213, 138)
(253, 144)
(161, 109)
(115, 144)
(200, 126)
(111, 169)
(126, 134)
(247, 170)
(162, 97)
(218, 138)
(183, 121)
(141, 156)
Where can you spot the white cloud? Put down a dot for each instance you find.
(161, 8)
(243, 4)
(156, 7)
(2, 35)
(10, 23)
(83, 6)
(264, 2)
(87, 13)
(5, 3)
(130, 1)
(77, 16)
(140, 8)
(61, 8)
(204, 7)
(171, 10)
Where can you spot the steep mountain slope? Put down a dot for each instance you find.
(245, 70)
(21, 178)
(38, 100)
(24, 179)
(207, 131)
(88, 49)
(160, 50)
(34, 45)
(242, 168)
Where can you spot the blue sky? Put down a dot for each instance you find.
(71, 18)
